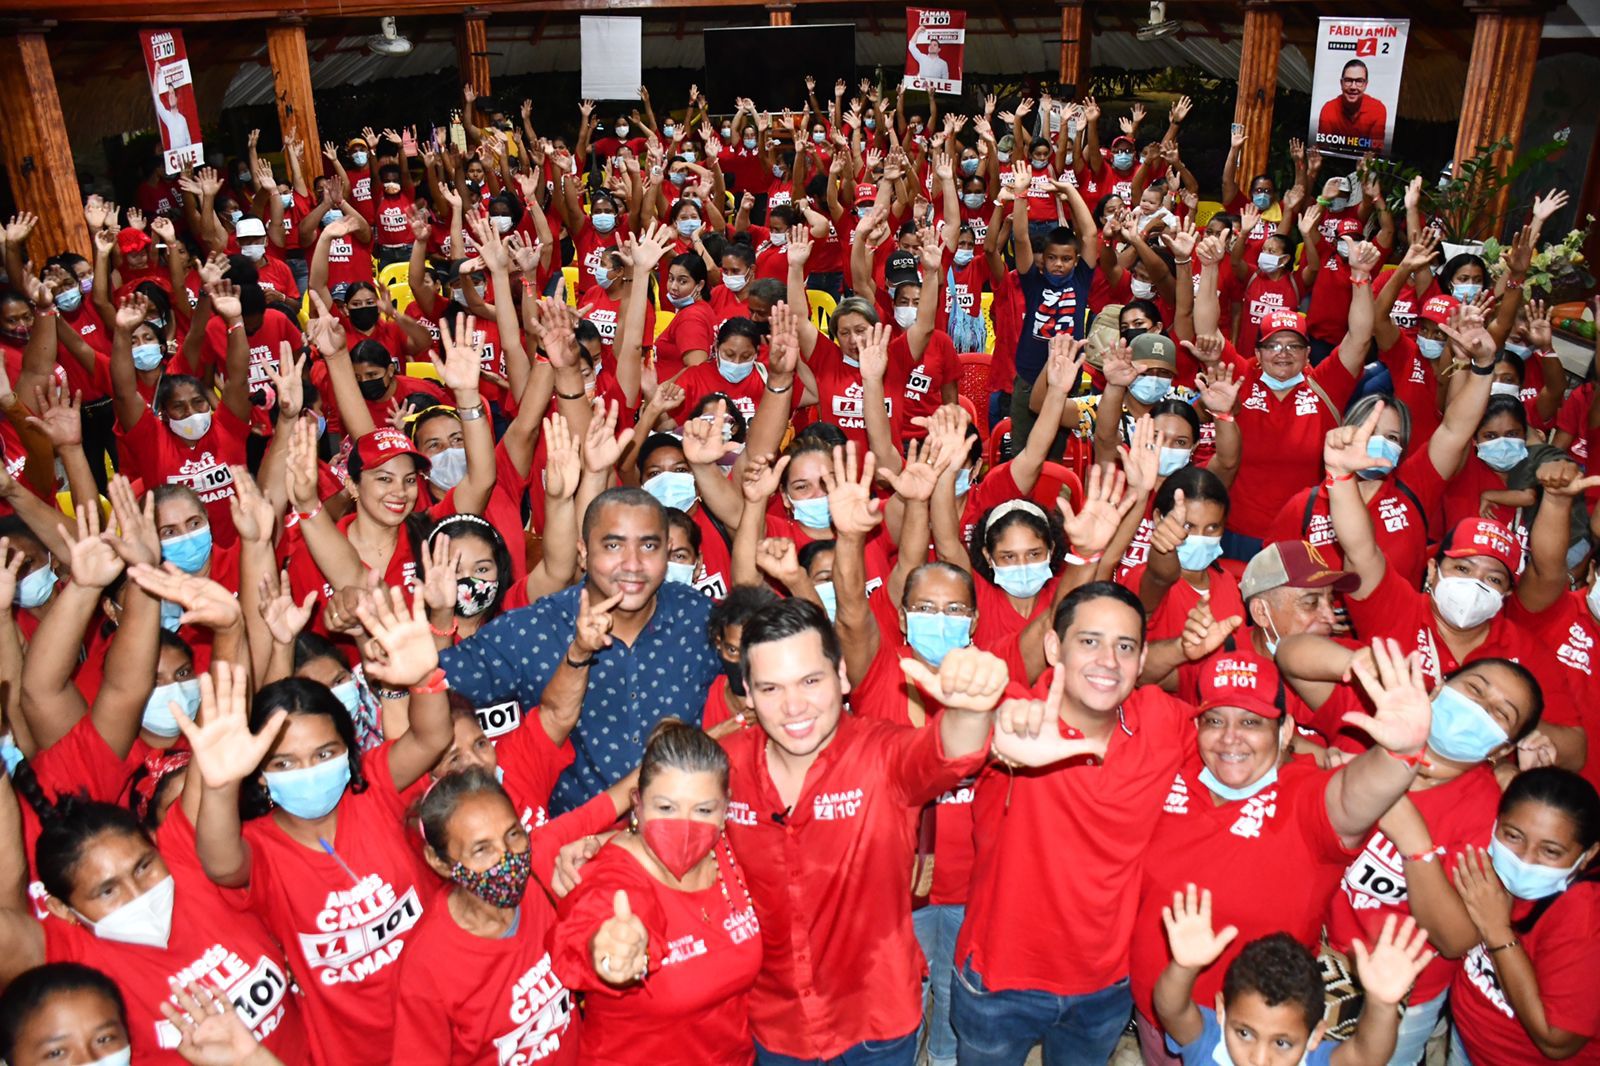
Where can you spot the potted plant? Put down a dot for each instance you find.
(1558, 273)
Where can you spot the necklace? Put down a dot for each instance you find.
(722, 882)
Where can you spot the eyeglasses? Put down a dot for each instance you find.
(1284, 346)
(950, 610)
(1354, 81)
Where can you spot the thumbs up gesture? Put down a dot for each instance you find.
(621, 947)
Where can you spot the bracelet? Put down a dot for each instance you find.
(1483, 371)
(431, 685)
(45, 312)
(1426, 856)
(236, 325)
(1514, 283)
(1221, 416)
(455, 627)
(390, 693)
(306, 516)
(1083, 560)
(1512, 943)
(777, 391)
(569, 395)
(582, 664)
(1343, 477)
(470, 414)
(1183, 262)
(1324, 201)
(1356, 283)
(1413, 761)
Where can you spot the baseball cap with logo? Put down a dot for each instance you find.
(901, 269)
(1346, 226)
(1151, 350)
(866, 192)
(1437, 308)
(381, 445)
(248, 227)
(1281, 319)
(1247, 682)
(1483, 536)
(1295, 564)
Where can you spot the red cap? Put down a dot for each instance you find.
(1282, 319)
(1247, 682)
(1483, 536)
(866, 192)
(1437, 308)
(131, 240)
(1347, 225)
(1123, 138)
(381, 445)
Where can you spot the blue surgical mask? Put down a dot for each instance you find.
(973, 200)
(1466, 291)
(964, 484)
(1122, 160)
(189, 551)
(235, 215)
(312, 792)
(678, 177)
(680, 302)
(812, 513)
(286, 199)
(969, 167)
(70, 300)
(1515, 349)
(870, 123)
(332, 215)
(1462, 730)
(777, 170)
(749, 141)
(1172, 460)
(1527, 880)
(962, 257)
(1381, 448)
(1197, 552)
(158, 716)
(830, 602)
(689, 155)
(733, 373)
(681, 573)
(171, 616)
(688, 226)
(1503, 453)
(1023, 580)
(667, 130)
(1150, 388)
(34, 589)
(933, 636)
(1430, 347)
(673, 488)
(349, 694)
(1262, 200)
(819, 137)
(1209, 779)
(603, 222)
(147, 356)
(358, 158)
(1279, 384)
(602, 276)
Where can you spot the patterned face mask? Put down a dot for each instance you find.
(474, 595)
(502, 884)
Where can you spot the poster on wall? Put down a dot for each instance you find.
(1355, 88)
(612, 53)
(935, 40)
(172, 89)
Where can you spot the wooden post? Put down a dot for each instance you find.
(291, 85)
(33, 139)
(1077, 27)
(780, 14)
(1505, 46)
(472, 52)
(1258, 85)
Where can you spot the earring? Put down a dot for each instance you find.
(633, 822)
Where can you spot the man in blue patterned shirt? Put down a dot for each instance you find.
(626, 648)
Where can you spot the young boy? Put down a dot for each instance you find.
(1270, 1007)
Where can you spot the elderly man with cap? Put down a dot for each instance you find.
(276, 280)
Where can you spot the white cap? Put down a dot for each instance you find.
(249, 227)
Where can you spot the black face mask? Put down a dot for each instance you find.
(1133, 333)
(363, 318)
(735, 677)
(372, 389)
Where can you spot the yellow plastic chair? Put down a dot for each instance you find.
(1203, 212)
(986, 309)
(305, 309)
(662, 318)
(395, 274)
(822, 308)
(425, 370)
(569, 281)
(401, 294)
(64, 505)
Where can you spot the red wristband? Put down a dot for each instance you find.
(455, 626)
(431, 685)
(1413, 761)
(1426, 856)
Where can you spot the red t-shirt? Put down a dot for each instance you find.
(919, 384)
(1367, 122)
(1569, 629)
(1416, 384)
(692, 329)
(1573, 419)
(705, 378)
(276, 328)
(153, 452)
(1282, 442)
(1262, 296)
(840, 393)
(349, 260)
(391, 228)
(588, 243)
(1167, 620)
(606, 313)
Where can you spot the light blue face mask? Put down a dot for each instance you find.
(158, 716)
(332, 215)
(1209, 779)
(830, 602)
(312, 792)
(70, 300)
(286, 199)
(1173, 460)
(680, 302)
(1430, 347)
(678, 177)
(1150, 388)
(171, 615)
(749, 142)
(1122, 160)
(1462, 731)
(1023, 580)
(732, 372)
(35, 588)
(963, 481)
(1262, 200)
(1197, 552)
(189, 552)
(602, 276)
(812, 513)
(1524, 879)
(146, 356)
(1280, 384)
(603, 221)
(689, 226)
(349, 694)
(973, 200)
(1503, 453)
(10, 754)
(358, 158)
(1515, 349)
(933, 636)
(1380, 448)
(962, 256)
(673, 488)
(1466, 291)
(969, 167)
(681, 573)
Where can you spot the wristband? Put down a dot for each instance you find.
(570, 395)
(1413, 761)
(46, 312)
(777, 391)
(455, 627)
(1083, 560)
(306, 516)
(1356, 283)
(1426, 856)
(1343, 477)
(1183, 262)
(581, 664)
(236, 325)
(1221, 416)
(1483, 371)
(470, 414)
(1324, 201)
(1514, 283)
(1512, 943)
(431, 685)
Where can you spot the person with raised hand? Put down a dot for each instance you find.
(209, 1033)
(323, 857)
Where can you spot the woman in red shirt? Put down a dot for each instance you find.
(63, 1009)
(690, 336)
(662, 932)
(1191, 510)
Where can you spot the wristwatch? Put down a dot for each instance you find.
(1483, 371)
(470, 414)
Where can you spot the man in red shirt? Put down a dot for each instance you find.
(821, 811)
(1353, 119)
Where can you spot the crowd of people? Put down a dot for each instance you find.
(497, 596)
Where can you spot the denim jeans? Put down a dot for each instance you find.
(1458, 1053)
(1000, 1028)
(936, 928)
(898, 1052)
(300, 268)
(1416, 1026)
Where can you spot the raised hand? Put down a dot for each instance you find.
(210, 1031)
(1173, 529)
(1219, 388)
(401, 652)
(1190, 937)
(704, 439)
(776, 557)
(224, 748)
(58, 417)
(1105, 501)
(1064, 365)
(94, 564)
(593, 631)
(967, 679)
(1344, 449)
(762, 477)
(10, 566)
(603, 445)
(463, 355)
(850, 500)
(1202, 633)
(1391, 966)
(563, 458)
(1548, 204)
(204, 602)
(137, 539)
(284, 617)
(1029, 732)
(620, 949)
(1468, 333)
(1117, 364)
(1539, 332)
(1141, 456)
(920, 472)
(441, 569)
(1402, 711)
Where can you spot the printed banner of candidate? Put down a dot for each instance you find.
(935, 41)
(172, 89)
(1355, 89)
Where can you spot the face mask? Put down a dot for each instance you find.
(1122, 160)
(735, 677)
(449, 467)
(864, 210)
(146, 356)
(1503, 453)
(392, 188)
(905, 317)
(1024, 580)
(973, 200)
(502, 884)
(830, 602)
(1149, 388)
(602, 276)
(1172, 459)
(234, 216)
(363, 318)
(287, 200)
(933, 636)
(349, 694)
(194, 427)
(1518, 349)
(749, 142)
(1039, 164)
(1431, 348)
(735, 282)
(171, 616)
(819, 137)
(963, 481)
(680, 843)
(158, 716)
(145, 920)
(622, 131)
(188, 552)
(813, 513)
(253, 252)
(1262, 200)
(474, 595)
(10, 754)
(689, 155)
(1197, 553)
(312, 792)
(332, 215)
(678, 177)
(1004, 157)
(372, 389)
(502, 223)
(680, 302)
(681, 573)
(870, 123)
(1465, 602)
(963, 256)
(1342, 249)
(1466, 291)
(1279, 384)
(1462, 730)
(1380, 448)
(688, 226)
(668, 129)
(116, 1058)
(1528, 880)
(733, 373)
(1504, 388)
(727, 132)
(34, 589)
(969, 167)
(778, 240)
(86, 284)
(358, 158)
(1209, 779)
(673, 488)
(1142, 290)
(603, 222)
(70, 300)
(1267, 262)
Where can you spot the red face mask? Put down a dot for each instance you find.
(679, 843)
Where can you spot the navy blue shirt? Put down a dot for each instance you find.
(665, 673)
(1050, 307)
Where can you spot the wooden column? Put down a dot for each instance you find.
(1076, 29)
(1505, 46)
(1258, 84)
(291, 85)
(780, 14)
(33, 139)
(472, 52)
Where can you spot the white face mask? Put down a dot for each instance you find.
(116, 1058)
(502, 223)
(145, 920)
(192, 428)
(1466, 602)
(253, 251)
(905, 317)
(1142, 290)
(449, 468)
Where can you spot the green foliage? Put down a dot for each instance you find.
(1463, 205)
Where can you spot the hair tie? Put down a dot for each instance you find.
(1006, 508)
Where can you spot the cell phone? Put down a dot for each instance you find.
(408, 143)
(1237, 128)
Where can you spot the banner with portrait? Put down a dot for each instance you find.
(935, 41)
(1355, 87)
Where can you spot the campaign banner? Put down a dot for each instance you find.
(1355, 87)
(172, 89)
(935, 41)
